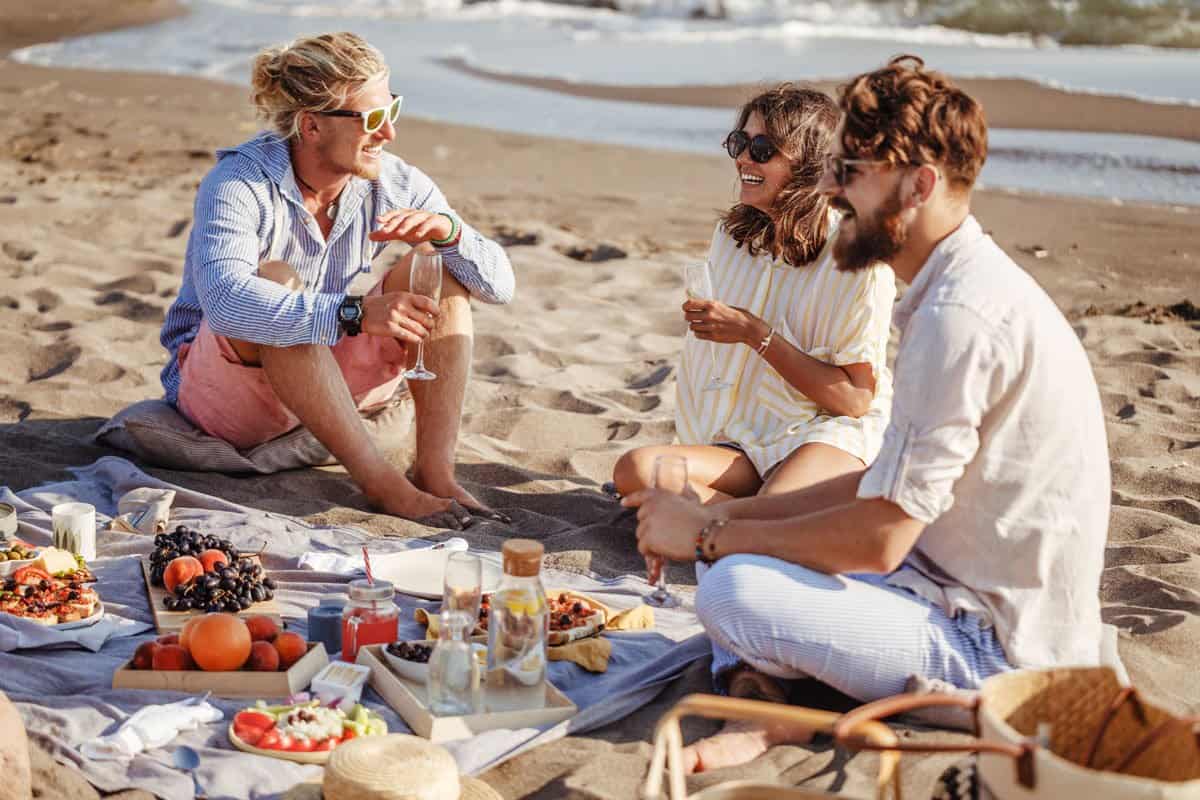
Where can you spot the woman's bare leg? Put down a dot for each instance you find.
(810, 464)
(714, 473)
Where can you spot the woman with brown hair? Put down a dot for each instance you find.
(799, 346)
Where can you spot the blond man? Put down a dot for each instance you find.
(264, 336)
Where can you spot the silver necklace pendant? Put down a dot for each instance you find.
(331, 210)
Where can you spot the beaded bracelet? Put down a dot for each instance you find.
(455, 232)
(706, 540)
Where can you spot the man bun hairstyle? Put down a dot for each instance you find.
(314, 73)
(906, 114)
(801, 123)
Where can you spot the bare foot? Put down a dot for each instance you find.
(402, 499)
(738, 742)
(449, 487)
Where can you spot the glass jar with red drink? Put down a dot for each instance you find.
(370, 617)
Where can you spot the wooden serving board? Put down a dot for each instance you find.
(171, 621)
(239, 683)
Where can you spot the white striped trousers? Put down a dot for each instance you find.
(855, 633)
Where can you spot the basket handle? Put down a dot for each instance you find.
(668, 739)
(847, 731)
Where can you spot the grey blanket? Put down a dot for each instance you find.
(65, 697)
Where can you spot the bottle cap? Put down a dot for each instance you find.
(365, 590)
(522, 557)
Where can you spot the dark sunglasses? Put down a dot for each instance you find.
(843, 168)
(762, 149)
(372, 119)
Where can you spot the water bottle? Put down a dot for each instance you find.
(453, 681)
(518, 627)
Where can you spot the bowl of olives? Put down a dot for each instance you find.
(14, 555)
(410, 659)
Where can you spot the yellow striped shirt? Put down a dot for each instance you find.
(834, 316)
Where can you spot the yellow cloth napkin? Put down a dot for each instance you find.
(592, 653)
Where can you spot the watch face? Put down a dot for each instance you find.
(349, 312)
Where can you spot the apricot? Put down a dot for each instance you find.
(291, 647)
(210, 559)
(143, 657)
(185, 631)
(263, 657)
(262, 629)
(168, 638)
(219, 642)
(172, 657)
(180, 571)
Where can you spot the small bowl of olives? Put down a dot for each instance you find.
(410, 659)
(14, 555)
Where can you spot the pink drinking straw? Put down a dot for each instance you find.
(367, 564)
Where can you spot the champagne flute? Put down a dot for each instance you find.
(670, 475)
(426, 279)
(462, 586)
(697, 281)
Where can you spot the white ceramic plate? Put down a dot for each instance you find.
(420, 572)
(96, 616)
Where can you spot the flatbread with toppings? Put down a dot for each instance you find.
(34, 594)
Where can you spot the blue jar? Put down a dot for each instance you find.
(325, 623)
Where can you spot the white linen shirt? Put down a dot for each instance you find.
(997, 444)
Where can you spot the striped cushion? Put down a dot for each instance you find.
(157, 434)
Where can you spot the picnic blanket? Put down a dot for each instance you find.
(65, 698)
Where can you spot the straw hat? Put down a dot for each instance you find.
(393, 767)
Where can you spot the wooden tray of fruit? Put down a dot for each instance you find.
(227, 655)
(272, 730)
(190, 573)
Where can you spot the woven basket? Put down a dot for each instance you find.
(668, 750)
(1061, 733)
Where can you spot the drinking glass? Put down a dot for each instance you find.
(426, 280)
(697, 282)
(463, 584)
(670, 475)
(454, 676)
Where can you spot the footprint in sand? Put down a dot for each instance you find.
(46, 300)
(55, 327)
(139, 284)
(9, 302)
(12, 410)
(131, 307)
(652, 378)
(46, 362)
(621, 431)
(634, 402)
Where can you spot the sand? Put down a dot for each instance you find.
(97, 177)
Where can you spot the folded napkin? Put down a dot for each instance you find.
(151, 727)
(144, 511)
(592, 654)
(22, 634)
(338, 564)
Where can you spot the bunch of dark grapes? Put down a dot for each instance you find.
(230, 588)
(184, 541)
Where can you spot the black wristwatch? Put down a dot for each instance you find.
(350, 314)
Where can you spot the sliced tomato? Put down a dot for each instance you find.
(301, 744)
(251, 725)
(348, 734)
(272, 740)
(326, 744)
(31, 575)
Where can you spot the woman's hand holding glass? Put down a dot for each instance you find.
(713, 321)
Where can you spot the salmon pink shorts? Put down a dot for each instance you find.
(234, 401)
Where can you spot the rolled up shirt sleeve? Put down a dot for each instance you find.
(951, 368)
(477, 262)
(236, 302)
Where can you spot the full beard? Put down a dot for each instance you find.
(879, 238)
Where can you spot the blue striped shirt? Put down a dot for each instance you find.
(233, 232)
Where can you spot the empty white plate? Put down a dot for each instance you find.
(421, 572)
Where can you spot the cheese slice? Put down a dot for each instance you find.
(54, 560)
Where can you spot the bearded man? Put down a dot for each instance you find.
(974, 543)
(266, 335)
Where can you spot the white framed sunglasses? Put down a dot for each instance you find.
(373, 118)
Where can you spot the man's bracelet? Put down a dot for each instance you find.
(766, 341)
(455, 232)
(706, 541)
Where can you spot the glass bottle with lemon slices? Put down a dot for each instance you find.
(518, 627)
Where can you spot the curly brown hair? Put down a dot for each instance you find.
(906, 114)
(800, 122)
